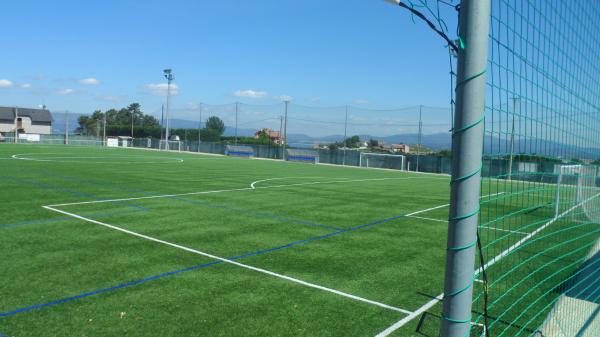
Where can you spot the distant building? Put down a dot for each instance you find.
(399, 148)
(274, 136)
(36, 121)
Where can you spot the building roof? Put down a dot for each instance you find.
(38, 116)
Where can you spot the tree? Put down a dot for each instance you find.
(209, 135)
(353, 142)
(373, 143)
(445, 153)
(216, 124)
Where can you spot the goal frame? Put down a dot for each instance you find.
(169, 145)
(363, 160)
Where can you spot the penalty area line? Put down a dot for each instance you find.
(228, 190)
(229, 261)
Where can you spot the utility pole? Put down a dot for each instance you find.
(236, 121)
(199, 126)
(281, 135)
(67, 127)
(420, 135)
(512, 138)
(285, 122)
(345, 136)
(16, 125)
(162, 123)
(104, 130)
(170, 77)
(132, 126)
(465, 184)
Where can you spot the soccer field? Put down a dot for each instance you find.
(125, 242)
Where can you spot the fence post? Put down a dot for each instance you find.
(467, 147)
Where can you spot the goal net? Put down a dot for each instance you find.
(170, 145)
(383, 160)
(577, 193)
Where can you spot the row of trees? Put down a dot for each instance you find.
(132, 121)
(128, 119)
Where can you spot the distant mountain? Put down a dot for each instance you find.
(435, 141)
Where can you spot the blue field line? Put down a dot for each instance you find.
(67, 218)
(179, 271)
(202, 202)
(63, 189)
(255, 213)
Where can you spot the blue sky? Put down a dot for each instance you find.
(81, 56)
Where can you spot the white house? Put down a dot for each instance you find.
(36, 121)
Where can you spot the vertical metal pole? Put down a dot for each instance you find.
(199, 127)
(281, 135)
(16, 125)
(420, 143)
(132, 126)
(512, 139)
(285, 129)
(167, 113)
(104, 130)
(67, 128)
(162, 123)
(420, 135)
(467, 147)
(236, 120)
(345, 136)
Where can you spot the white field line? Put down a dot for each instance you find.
(490, 263)
(410, 317)
(54, 159)
(530, 235)
(446, 205)
(226, 190)
(504, 230)
(429, 219)
(235, 263)
(253, 184)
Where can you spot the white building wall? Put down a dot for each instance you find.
(7, 127)
(27, 126)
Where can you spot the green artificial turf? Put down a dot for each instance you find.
(338, 227)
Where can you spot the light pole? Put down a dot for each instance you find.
(170, 77)
(419, 136)
(104, 130)
(512, 137)
(16, 125)
(67, 128)
(285, 120)
(199, 127)
(345, 135)
(236, 121)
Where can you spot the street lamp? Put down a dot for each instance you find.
(170, 77)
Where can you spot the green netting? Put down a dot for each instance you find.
(540, 231)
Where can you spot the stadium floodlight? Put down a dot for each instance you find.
(170, 77)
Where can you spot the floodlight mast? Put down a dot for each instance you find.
(170, 77)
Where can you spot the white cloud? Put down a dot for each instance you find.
(111, 98)
(160, 89)
(6, 84)
(250, 93)
(66, 91)
(315, 99)
(361, 101)
(286, 98)
(26, 85)
(89, 81)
